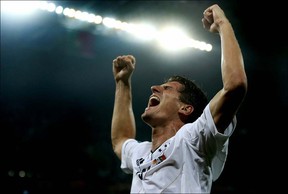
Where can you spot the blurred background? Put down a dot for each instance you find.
(57, 88)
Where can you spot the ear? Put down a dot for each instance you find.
(186, 109)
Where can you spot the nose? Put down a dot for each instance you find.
(155, 89)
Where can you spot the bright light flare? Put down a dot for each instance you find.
(172, 38)
(19, 7)
(143, 31)
(59, 10)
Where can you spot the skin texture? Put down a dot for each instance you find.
(166, 118)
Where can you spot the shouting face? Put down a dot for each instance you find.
(163, 105)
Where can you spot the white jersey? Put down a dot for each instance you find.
(187, 163)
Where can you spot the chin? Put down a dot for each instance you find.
(145, 117)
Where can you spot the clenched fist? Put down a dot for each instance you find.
(213, 16)
(123, 67)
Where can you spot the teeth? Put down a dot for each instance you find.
(155, 97)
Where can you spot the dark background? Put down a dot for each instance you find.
(57, 94)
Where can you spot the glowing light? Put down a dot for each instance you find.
(97, 19)
(59, 10)
(171, 38)
(143, 31)
(19, 7)
(22, 173)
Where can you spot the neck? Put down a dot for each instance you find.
(162, 134)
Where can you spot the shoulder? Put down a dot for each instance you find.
(130, 145)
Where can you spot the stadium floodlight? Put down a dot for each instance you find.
(171, 38)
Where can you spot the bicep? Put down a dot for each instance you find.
(118, 147)
(223, 107)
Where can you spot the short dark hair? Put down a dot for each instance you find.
(191, 94)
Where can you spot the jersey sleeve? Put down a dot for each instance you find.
(221, 143)
(207, 141)
(127, 151)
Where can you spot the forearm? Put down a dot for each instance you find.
(232, 64)
(226, 102)
(123, 122)
(233, 72)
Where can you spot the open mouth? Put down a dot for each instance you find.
(153, 101)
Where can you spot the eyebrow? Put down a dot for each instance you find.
(165, 85)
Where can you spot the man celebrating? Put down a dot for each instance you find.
(190, 135)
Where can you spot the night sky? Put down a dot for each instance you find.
(57, 93)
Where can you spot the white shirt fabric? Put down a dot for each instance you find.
(187, 163)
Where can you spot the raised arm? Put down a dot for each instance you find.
(225, 104)
(123, 122)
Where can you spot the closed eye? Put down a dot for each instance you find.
(167, 87)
